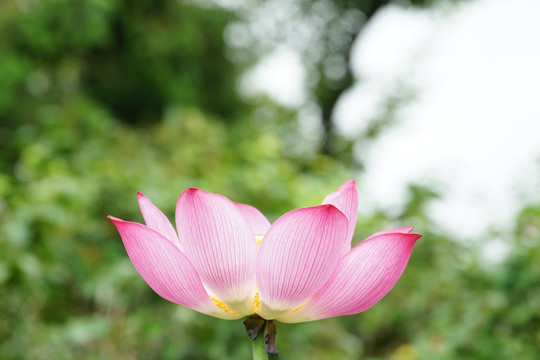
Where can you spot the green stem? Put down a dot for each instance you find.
(259, 351)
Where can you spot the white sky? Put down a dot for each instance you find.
(280, 75)
(474, 127)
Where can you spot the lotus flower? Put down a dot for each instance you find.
(227, 260)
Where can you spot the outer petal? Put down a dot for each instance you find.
(346, 200)
(156, 220)
(254, 217)
(297, 256)
(403, 230)
(220, 244)
(362, 278)
(166, 269)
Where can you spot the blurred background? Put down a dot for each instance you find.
(431, 105)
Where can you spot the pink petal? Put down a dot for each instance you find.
(220, 244)
(362, 278)
(166, 269)
(346, 200)
(156, 220)
(254, 217)
(297, 256)
(403, 230)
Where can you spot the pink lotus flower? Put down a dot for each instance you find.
(227, 260)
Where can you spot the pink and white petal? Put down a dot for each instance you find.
(254, 217)
(346, 200)
(403, 230)
(156, 220)
(297, 256)
(362, 278)
(166, 269)
(220, 244)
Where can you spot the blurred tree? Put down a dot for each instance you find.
(322, 32)
(134, 58)
(162, 53)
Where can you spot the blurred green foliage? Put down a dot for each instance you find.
(100, 99)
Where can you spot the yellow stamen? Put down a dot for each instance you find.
(257, 301)
(298, 308)
(222, 306)
(259, 238)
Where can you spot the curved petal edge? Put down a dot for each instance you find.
(345, 198)
(156, 220)
(258, 222)
(403, 230)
